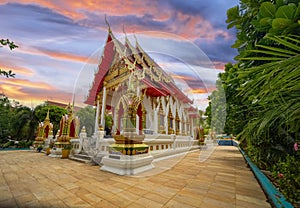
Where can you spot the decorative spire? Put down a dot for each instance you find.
(136, 42)
(109, 30)
(124, 30)
(73, 103)
(47, 117)
(69, 109)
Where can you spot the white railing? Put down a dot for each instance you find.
(159, 144)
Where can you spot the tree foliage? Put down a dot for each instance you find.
(5, 121)
(87, 119)
(262, 89)
(11, 45)
(55, 114)
(20, 122)
(216, 111)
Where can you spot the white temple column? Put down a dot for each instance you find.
(186, 127)
(166, 123)
(192, 126)
(97, 116)
(155, 121)
(103, 108)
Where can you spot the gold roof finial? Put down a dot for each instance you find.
(124, 29)
(136, 41)
(69, 109)
(47, 117)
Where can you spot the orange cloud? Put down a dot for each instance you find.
(187, 26)
(12, 90)
(65, 56)
(182, 77)
(17, 70)
(197, 91)
(202, 90)
(53, 54)
(26, 83)
(28, 92)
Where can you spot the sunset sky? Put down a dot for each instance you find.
(60, 42)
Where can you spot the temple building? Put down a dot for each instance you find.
(151, 116)
(138, 93)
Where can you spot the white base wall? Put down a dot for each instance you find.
(127, 165)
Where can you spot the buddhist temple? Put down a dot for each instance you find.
(150, 113)
(130, 83)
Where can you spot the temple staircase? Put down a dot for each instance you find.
(82, 157)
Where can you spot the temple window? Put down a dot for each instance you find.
(151, 148)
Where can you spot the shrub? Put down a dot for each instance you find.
(286, 173)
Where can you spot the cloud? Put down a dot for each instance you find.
(25, 90)
(62, 55)
(17, 70)
(56, 37)
(26, 83)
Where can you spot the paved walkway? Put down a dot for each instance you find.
(29, 179)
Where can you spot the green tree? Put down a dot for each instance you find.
(11, 45)
(262, 88)
(5, 118)
(87, 119)
(55, 114)
(274, 91)
(23, 123)
(254, 19)
(216, 111)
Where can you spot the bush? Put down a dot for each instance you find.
(22, 144)
(286, 174)
(8, 144)
(29, 143)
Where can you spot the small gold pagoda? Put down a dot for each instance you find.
(69, 128)
(44, 129)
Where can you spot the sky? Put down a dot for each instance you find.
(61, 42)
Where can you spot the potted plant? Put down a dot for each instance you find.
(49, 148)
(66, 151)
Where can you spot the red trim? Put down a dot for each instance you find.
(103, 68)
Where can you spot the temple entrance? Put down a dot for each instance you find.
(119, 125)
(46, 131)
(139, 112)
(72, 129)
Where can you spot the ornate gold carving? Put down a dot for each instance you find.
(170, 122)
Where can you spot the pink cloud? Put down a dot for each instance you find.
(187, 26)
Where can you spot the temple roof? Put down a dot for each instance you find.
(158, 82)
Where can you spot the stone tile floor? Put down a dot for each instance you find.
(30, 179)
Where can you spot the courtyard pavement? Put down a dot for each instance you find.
(30, 179)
